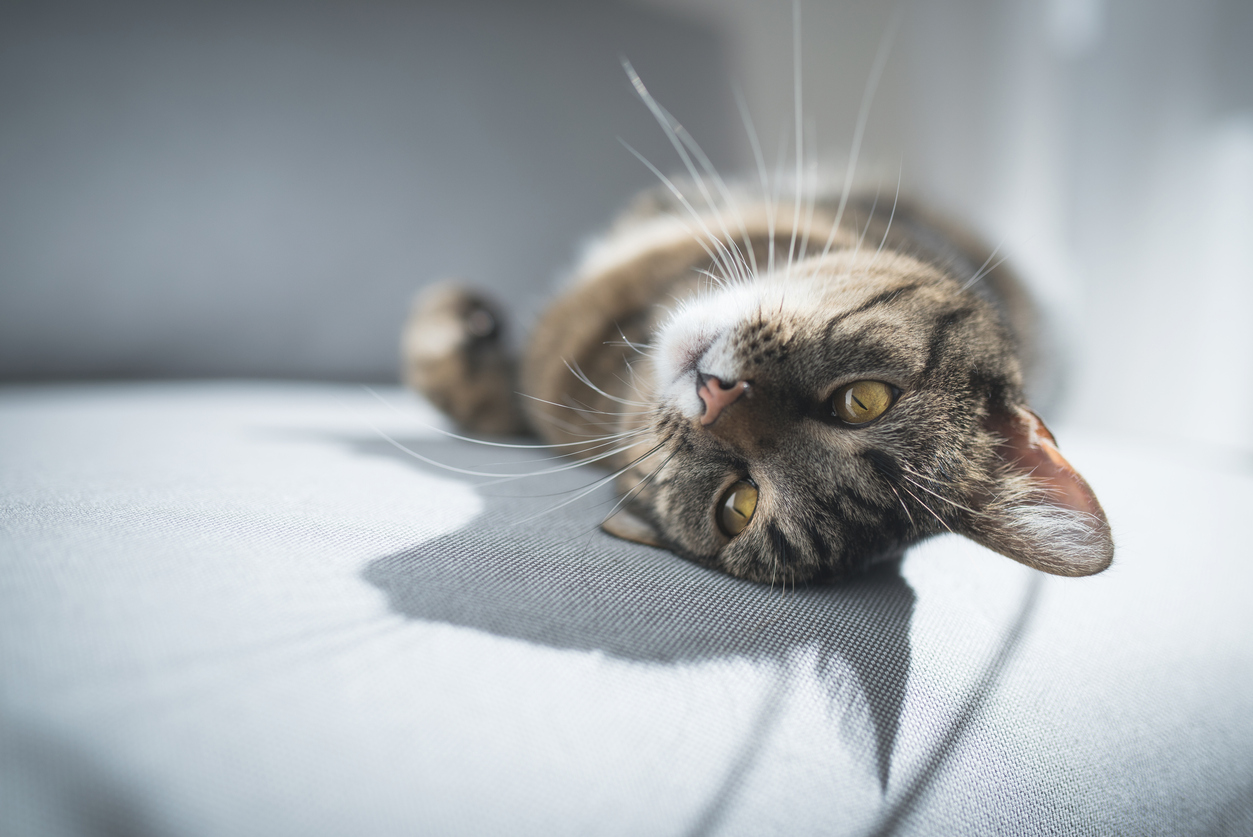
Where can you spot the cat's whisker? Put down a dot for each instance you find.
(573, 429)
(755, 143)
(605, 479)
(800, 139)
(869, 220)
(679, 137)
(914, 472)
(436, 464)
(586, 409)
(760, 163)
(595, 484)
(748, 258)
(810, 188)
(985, 269)
(720, 281)
(590, 445)
(891, 216)
(672, 128)
(629, 345)
(485, 442)
(639, 486)
(713, 277)
(776, 198)
(570, 466)
(928, 508)
(631, 384)
(907, 472)
(615, 416)
(578, 373)
(863, 117)
(710, 238)
(641, 348)
(900, 500)
(939, 496)
(979, 274)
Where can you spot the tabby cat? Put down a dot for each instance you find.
(787, 389)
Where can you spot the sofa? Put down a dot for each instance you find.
(249, 608)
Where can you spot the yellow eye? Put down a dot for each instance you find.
(863, 401)
(736, 508)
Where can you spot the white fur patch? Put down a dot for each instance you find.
(696, 340)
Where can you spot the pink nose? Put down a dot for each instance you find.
(717, 398)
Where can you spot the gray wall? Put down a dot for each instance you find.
(1107, 145)
(258, 188)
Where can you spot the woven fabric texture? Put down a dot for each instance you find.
(245, 609)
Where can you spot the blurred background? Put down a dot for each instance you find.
(256, 189)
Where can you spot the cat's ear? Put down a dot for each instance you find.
(629, 526)
(1042, 512)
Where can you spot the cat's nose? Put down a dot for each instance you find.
(717, 396)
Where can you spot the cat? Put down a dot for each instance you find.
(794, 387)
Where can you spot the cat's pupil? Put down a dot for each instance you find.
(735, 511)
(863, 401)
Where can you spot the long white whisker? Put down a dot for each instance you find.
(638, 487)
(586, 409)
(683, 201)
(981, 272)
(578, 373)
(570, 466)
(484, 442)
(938, 496)
(891, 216)
(780, 163)
(591, 445)
(925, 506)
(668, 123)
(613, 418)
(760, 159)
(811, 188)
(863, 117)
(800, 139)
(743, 264)
(603, 480)
(901, 501)
(433, 462)
(869, 219)
(638, 347)
(712, 277)
(747, 259)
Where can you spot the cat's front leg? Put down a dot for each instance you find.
(453, 354)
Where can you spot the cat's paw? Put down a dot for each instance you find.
(452, 353)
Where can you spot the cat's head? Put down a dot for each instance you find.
(815, 421)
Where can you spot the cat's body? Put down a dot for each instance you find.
(786, 400)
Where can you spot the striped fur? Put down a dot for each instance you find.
(796, 308)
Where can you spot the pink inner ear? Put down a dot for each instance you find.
(1031, 446)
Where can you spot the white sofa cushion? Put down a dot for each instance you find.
(237, 608)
